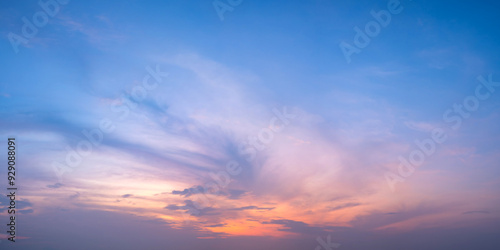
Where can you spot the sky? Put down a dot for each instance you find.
(238, 124)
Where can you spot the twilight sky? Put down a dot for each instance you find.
(239, 124)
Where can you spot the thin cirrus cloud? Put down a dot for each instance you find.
(323, 162)
(309, 166)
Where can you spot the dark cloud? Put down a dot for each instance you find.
(302, 228)
(126, 195)
(352, 204)
(217, 225)
(189, 191)
(192, 209)
(22, 206)
(252, 208)
(233, 194)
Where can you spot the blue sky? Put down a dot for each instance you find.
(219, 89)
